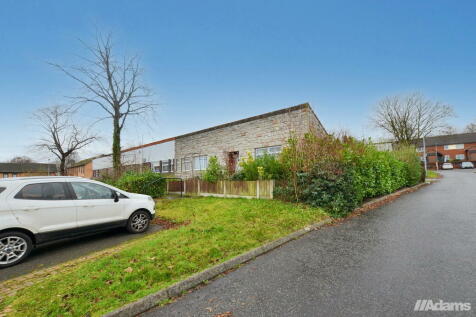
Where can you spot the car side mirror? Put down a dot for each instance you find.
(116, 197)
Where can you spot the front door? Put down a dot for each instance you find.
(232, 161)
(95, 205)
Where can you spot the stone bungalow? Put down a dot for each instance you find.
(187, 155)
(262, 134)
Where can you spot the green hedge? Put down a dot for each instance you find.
(355, 172)
(376, 173)
(330, 185)
(148, 183)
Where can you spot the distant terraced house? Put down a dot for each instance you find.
(455, 148)
(8, 170)
(187, 155)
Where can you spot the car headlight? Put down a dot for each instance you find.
(150, 198)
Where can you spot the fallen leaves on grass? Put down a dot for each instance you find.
(167, 224)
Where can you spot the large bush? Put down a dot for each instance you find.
(338, 174)
(330, 185)
(375, 173)
(214, 171)
(263, 167)
(148, 183)
(414, 170)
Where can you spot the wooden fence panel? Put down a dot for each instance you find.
(211, 188)
(266, 189)
(247, 189)
(175, 186)
(241, 188)
(191, 186)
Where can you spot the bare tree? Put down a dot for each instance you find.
(60, 135)
(21, 159)
(113, 85)
(470, 128)
(408, 118)
(449, 130)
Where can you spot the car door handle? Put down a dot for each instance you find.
(30, 209)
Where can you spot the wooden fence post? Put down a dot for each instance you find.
(198, 188)
(224, 188)
(185, 187)
(257, 189)
(271, 194)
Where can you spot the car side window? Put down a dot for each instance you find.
(91, 191)
(43, 191)
(2, 189)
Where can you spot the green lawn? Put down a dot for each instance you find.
(217, 229)
(432, 174)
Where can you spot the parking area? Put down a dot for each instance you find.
(64, 251)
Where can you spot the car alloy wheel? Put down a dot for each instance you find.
(139, 221)
(12, 249)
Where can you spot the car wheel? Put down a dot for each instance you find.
(14, 247)
(138, 222)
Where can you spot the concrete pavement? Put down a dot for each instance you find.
(422, 246)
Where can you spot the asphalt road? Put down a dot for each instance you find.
(421, 246)
(57, 253)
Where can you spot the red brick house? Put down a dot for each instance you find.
(8, 170)
(455, 148)
(82, 168)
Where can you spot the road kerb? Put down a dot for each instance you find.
(177, 289)
(152, 300)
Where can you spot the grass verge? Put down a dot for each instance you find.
(218, 230)
(432, 174)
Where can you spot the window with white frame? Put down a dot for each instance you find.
(447, 158)
(459, 157)
(165, 166)
(5, 175)
(200, 163)
(186, 164)
(269, 150)
(454, 146)
(420, 149)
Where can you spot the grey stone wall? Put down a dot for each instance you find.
(266, 130)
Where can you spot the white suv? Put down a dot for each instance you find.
(37, 210)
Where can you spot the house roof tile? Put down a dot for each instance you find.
(461, 138)
(26, 167)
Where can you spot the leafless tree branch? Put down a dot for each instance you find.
(113, 85)
(59, 134)
(408, 118)
(470, 128)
